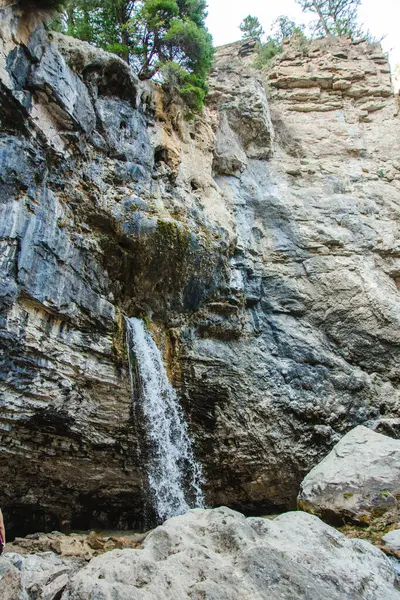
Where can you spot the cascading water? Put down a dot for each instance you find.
(174, 476)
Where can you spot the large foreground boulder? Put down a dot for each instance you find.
(220, 555)
(359, 480)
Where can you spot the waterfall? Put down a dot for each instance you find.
(174, 476)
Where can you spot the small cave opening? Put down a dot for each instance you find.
(21, 521)
(194, 185)
(160, 155)
(126, 511)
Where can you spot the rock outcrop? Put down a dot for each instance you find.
(41, 576)
(260, 239)
(392, 540)
(358, 481)
(215, 554)
(221, 555)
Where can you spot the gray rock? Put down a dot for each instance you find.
(221, 555)
(392, 540)
(247, 112)
(229, 156)
(41, 576)
(69, 97)
(358, 480)
(125, 131)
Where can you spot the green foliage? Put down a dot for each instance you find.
(148, 34)
(334, 17)
(282, 28)
(266, 53)
(191, 87)
(190, 46)
(251, 28)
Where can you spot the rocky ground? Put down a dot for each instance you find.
(219, 554)
(215, 554)
(80, 545)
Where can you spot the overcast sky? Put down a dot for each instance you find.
(380, 17)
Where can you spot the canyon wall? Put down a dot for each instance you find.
(260, 241)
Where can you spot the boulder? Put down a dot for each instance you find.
(392, 540)
(220, 555)
(36, 576)
(359, 480)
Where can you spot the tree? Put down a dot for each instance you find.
(251, 28)
(163, 31)
(284, 28)
(335, 17)
(148, 34)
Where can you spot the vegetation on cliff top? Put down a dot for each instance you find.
(157, 37)
(282, 28)
(334, 18)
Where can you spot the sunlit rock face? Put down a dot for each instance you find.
(260, 239)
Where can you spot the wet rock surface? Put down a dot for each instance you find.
(269, 265)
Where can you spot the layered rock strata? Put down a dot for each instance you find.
(260, 239)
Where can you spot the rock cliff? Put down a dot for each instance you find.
(260, 240)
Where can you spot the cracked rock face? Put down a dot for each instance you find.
(261, 239)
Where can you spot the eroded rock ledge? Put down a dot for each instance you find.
(261, 239)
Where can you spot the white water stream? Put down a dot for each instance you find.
(174, 476)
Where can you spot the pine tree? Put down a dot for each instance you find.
(149, 34)
(251, 28)
(335, 17)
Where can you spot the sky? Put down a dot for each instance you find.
(380, 17)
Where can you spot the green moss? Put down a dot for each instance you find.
(348, 495)
(172, 237)
(364, 519)
(62, 222)
(147, 322)
(385, 493)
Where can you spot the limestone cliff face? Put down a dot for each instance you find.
(261, 239)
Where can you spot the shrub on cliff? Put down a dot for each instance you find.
(190, 87)
(282, 29)
(147, 34)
